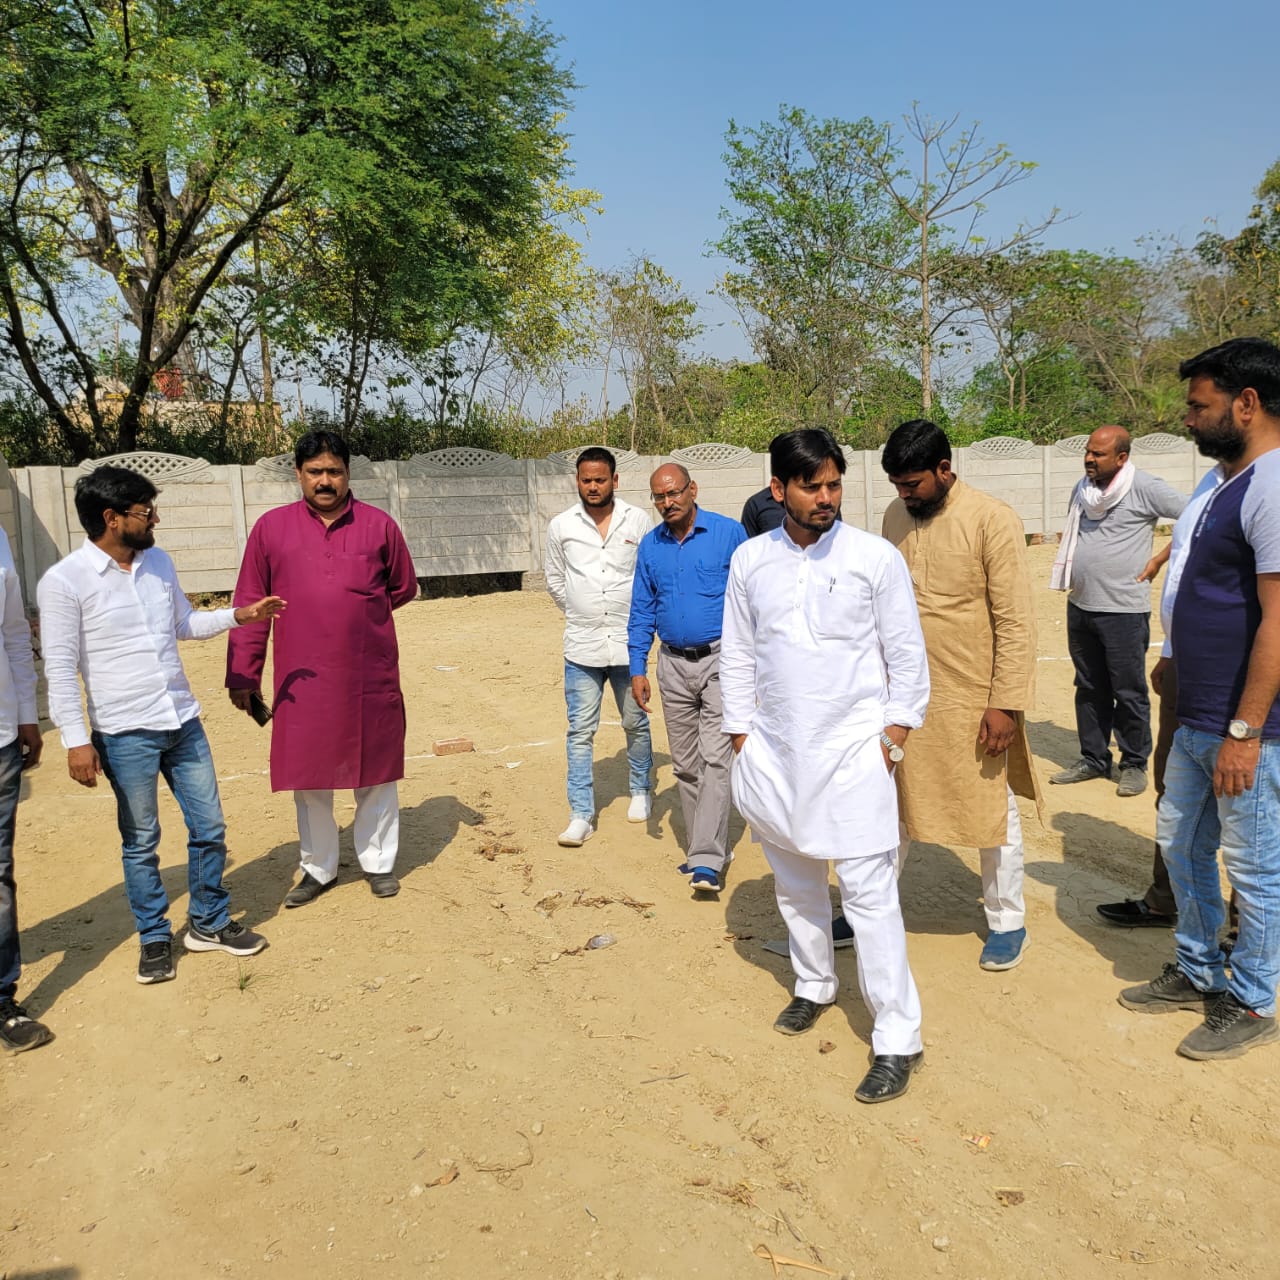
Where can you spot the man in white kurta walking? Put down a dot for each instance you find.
(822, 675)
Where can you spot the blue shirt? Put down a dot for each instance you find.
(679, 586)
(1216, 611)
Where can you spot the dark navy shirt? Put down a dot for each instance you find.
(761, 512)
(678, 589)
(1216, 611)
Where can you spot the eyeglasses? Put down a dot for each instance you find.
(147, 513)
(670, 496)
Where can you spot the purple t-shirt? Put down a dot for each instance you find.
(1217, 612)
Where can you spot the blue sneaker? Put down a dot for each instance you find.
(1003, 950)
(704, 880)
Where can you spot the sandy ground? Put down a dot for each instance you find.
(447, 1084)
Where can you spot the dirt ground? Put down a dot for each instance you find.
(448, 1084)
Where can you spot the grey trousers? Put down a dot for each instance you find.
(701, 753)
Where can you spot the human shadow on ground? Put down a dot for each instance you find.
(1054, 742)
(257, 886)
(938, 891)
(1104, 862)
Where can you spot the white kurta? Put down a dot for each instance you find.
(821, 649)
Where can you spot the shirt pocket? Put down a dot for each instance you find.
(157, 607)
(840, 610)
(711, 580)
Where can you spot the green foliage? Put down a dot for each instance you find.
(155, 140)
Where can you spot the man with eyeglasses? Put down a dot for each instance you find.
(112, 612)
(682, 568)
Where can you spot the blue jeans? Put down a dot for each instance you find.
(10, 785)
(583, 694)
(132, 762)
(1191, 823)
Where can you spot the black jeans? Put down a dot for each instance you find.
(1109, 651)
(10, 783)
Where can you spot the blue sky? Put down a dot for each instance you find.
(1143, 118)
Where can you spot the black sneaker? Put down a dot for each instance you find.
(1171, 991)
(156, 962)
(18, 1033)
(232, 938)
(1228, 1031)
(1081, 771)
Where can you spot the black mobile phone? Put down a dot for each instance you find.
(258, 708)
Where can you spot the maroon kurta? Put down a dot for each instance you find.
(339, 715)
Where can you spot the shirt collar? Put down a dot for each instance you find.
(346, 517)
(817, 548)
(699, 522)
(100, 561)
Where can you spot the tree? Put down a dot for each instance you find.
(649, 321)
(957, 173)
(143, 144)
(810, 240)
(1245, 284)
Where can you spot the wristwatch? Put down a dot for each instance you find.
(896, 753)
(1243, 731)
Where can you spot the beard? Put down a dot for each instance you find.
(138, 541)
(1221, 439)
(926, 510)
(819, 520)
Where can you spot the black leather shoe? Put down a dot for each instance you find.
(308, 889)
(1134, 915)
(798, 1016)
(382, 884)
(889, 1076)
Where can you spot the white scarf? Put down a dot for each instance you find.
(1095, 503)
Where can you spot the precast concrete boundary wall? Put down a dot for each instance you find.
(468, 511)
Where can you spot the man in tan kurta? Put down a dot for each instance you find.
(957, 785)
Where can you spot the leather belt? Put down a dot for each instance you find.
(692, 655)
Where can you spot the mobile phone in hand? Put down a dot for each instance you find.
(258, 708)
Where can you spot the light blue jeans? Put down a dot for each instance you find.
(1191, 824)
(133, 763)
(583, 694)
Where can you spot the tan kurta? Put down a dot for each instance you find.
(973, 589)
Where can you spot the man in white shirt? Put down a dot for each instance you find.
(590, 562)
(113, 612)
(822, 675)
(20, 747)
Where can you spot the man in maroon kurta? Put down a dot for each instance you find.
(338, 715)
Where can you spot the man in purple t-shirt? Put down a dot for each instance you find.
(1222, 780)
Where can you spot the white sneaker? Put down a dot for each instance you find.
(640, 807)
(577, 833)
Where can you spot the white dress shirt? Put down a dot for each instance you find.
(1178, 548)
(590, 580)
(119, 628)
(17, 667)
(821, 649)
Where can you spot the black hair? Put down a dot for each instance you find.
(918, 445)
(1237, 364)
(314, 443)
(597, 454)
(109, 489)
(797, 455)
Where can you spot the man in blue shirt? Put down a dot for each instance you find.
(1222, 780)
(681, 571)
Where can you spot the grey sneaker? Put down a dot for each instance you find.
(1133, 782)
(1081, 771)
(1228, 1031)
(155, 963)
(18, 1032)
(232, 938)
(1171, 991)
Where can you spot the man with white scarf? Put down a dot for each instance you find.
(822, 676)
(1104, 550)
